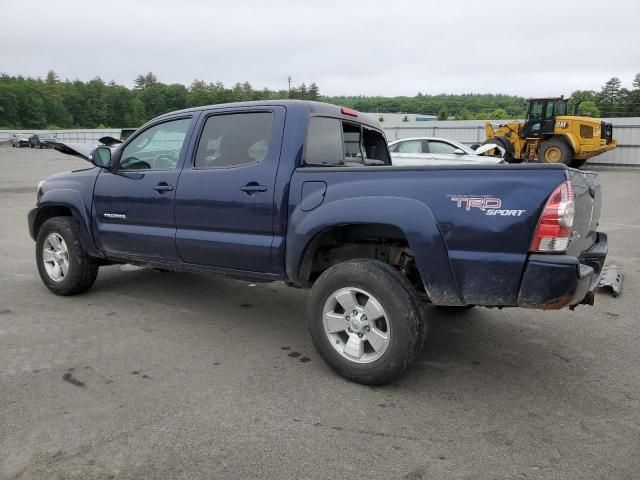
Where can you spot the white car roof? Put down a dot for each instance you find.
(424, 138)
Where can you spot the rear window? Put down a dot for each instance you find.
(333, 142)
(324, 142)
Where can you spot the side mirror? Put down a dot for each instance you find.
(101, 157)
(458, 151)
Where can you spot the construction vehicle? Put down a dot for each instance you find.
(550, 135)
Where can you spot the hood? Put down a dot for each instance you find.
(82, 150)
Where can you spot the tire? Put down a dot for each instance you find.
(508, 148)
(555, 150)
(403, 320)
(81, 269)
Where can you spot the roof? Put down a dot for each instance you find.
(311, 107)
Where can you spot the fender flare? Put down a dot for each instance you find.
(72, 200)
(572, 141)
(410, 216)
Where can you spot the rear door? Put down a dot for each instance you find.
(225, 196)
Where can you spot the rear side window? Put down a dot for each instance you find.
(333, 142)
(324, 142)
(409, 146)
(234, 139)
(441, 147)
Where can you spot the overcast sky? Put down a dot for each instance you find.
(348, 47)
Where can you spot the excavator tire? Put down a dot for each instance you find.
(555, 150)
(508, 148)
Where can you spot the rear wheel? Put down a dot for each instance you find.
(64, 266)
(555, 150)
(366, 320)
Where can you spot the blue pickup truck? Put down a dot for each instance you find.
(304, 192)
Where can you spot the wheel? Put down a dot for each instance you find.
(508, 148)
(366, 321)
(577, 163)
(64, 266)
(555, 150)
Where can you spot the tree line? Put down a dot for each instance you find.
(50, 103)
(612, 100)
(36, 103)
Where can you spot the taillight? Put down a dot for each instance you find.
(554, 227)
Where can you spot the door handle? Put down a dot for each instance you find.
(253, 187)
(163, 187)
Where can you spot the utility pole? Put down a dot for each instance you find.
(289, 80)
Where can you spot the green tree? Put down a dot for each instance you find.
(96, 102)
(314, 91)
(135, 115)
(443, 114)
(498, 114)
(609, 97)
(145, 81)
(589, 108)
(465, 115)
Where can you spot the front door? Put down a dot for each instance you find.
(133, 207)
(225, 196)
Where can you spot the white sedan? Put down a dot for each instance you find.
(439, 151)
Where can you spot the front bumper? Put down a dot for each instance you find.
(556, 281)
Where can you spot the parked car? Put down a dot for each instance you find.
(19, 139)
(42, 140)
(438, 151)
(304, 192)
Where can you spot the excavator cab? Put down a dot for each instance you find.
(541, 115)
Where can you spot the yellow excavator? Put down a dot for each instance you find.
(550, 135)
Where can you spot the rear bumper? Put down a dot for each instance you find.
(557, 281)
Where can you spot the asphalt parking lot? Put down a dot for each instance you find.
(167, 375)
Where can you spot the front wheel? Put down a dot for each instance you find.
(64, 267)
(366, 321)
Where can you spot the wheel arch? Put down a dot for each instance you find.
(402, 219)
(66, 203)
(568, 138)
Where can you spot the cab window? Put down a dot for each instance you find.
(333, 142)
(234, 139)
(157, 148)
(536, 110)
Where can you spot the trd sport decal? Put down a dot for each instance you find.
(485, 203)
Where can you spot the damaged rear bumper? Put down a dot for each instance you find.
(557, 281)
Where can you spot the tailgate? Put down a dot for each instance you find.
(588, 202)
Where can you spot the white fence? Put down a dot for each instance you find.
(625, 130)
(74, 136)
